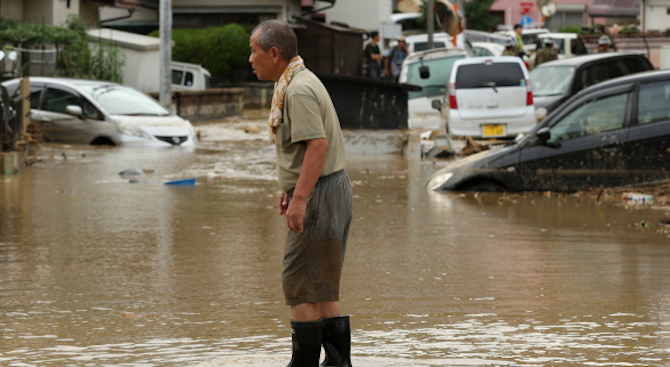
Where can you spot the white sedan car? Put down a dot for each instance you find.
(76, 111)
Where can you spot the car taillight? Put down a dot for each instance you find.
(452, 97)
(529, 93)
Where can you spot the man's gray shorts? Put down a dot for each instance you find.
(313, 259)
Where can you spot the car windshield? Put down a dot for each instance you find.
(439, 75)
(551, 80)
(487, 75)
(120, 100)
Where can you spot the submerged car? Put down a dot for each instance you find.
(613, 134)
(76, 111)
(556, 81)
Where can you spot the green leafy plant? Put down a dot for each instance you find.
(73, 54)
(221, 50)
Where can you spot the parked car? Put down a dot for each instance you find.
(556, 81)
(429, 70)
(529, 37)
(187, 76)
(487, 49)
(613, 134)
(488, 97)
(481, 36)
(76, 111)
(568, 44)
(419, 42)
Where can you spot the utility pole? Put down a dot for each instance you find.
(165, 88)
(430, 22)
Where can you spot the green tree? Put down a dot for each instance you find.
(478, 15)
(221, 50)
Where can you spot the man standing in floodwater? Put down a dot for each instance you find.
(316, 198)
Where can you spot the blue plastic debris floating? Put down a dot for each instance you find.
(186, 181)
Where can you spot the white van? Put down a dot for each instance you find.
(436, 65)
(489, 97)
(187, 76)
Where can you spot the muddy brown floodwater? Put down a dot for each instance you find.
(98, 271)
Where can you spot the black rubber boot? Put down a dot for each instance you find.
(336, 339)
(306, 343)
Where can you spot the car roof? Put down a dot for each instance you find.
(644, 76)
(585, 59)
(557, 35)
(434, 53)
(64, 81)
(483, 59)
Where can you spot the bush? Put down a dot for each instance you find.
(571, 29)
(221, 50)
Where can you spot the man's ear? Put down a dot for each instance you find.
(274, 53)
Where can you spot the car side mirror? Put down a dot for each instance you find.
(424, 72)
(543, 135)
(74, 110)
(436, 104)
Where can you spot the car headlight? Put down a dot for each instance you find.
(133, 130)
(540, 113)
(437, 181)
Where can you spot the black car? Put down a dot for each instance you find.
(555, 81)
(613, 134)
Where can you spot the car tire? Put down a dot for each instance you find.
(485, 186)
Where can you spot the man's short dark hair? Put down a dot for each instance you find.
(517, 26)
(374, 34)
(275, 33)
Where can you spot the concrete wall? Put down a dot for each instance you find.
(208, 105)
(651, 44)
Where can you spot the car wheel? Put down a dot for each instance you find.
(485, 186)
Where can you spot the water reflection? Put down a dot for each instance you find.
(95, 270)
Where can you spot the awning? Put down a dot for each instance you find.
(614, 9)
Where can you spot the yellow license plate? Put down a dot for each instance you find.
(491, 131)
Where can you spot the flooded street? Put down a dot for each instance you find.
(98, 271)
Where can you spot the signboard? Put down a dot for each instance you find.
(526, 21)
(526, 6)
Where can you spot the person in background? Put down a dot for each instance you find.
(393, 61)
(316, 198)
(373, 56)
(518, 41)
(509, 48)
(604, 44)
(546, 53)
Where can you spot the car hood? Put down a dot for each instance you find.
(475, 165)
(170, 125)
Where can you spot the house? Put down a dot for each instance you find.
(655, 15)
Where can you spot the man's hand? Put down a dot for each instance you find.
(295, 214)
(283, 203)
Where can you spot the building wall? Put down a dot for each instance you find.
(568, 13)
(11, 9)
(365, 14)
(656, 14)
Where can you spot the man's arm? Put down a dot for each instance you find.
(312, 165)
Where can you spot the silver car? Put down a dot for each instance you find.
(77, 111)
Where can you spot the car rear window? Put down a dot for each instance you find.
(486, 75)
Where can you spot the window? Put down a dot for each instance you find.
(35, 99)
(498, 74)
(481, 51)
(654, 102)
(58, 100)
(436, 84)
(593, 117)
(188, 80)
(594, 74)
(577, 47)
(177, 76)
